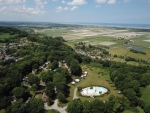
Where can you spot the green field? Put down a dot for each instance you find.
(96, 76)
(4, 36)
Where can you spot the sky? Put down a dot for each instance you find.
(85, 11)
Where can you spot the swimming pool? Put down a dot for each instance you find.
(94, 91)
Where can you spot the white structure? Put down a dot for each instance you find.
(85, 73)
(77, 80)
(73, 82)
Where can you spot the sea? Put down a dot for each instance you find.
(145, 26)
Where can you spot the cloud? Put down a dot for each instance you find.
(74, 8)
(77, 2)
(59, 9)
(21, 10)
(111, 2)
(41, 3)
(97, 6)
(12, 1)
(55, 0)
(101, 1)
(63, 1)
(66, 8)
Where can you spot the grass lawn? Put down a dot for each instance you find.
(96, 76)
(4, 35)
(146, 94)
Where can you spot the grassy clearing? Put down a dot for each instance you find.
(96, 76)
(4, 35)
(146, 94)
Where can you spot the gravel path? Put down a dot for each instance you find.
(55, 106)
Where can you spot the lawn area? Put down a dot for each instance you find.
(4, 35)
(96, 76)
(146, 94)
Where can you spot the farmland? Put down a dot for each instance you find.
(119, 41)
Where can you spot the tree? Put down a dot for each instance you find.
(34, 87)
(75, 67)
(47, 76)
(87, 107)
(61, 97)
(5, 102)
(53, 111)
(33, 80)
(75, 106)
(57, 77)
(35, 106)
(16, 107)
(97, 105)
(18, 92)
(50, 89)
(54, 65)
(147, 108)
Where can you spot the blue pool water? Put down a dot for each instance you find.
(91, 90)
(100, 89)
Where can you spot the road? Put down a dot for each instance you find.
(55, 106)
